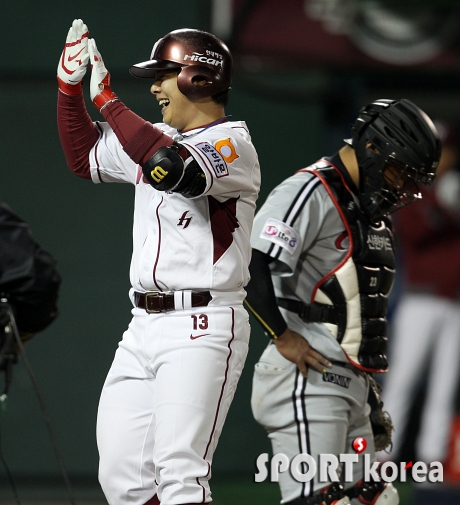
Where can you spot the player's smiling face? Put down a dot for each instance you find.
(178, 111)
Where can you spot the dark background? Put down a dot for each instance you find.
(297, 106)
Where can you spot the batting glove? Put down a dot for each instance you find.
(100, 91)
(74, 59)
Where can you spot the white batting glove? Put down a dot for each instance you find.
(74, 59)
(100, 91)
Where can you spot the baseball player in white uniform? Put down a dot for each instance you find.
(322, 268)
(196, 179)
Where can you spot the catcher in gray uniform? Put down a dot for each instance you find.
(322, 268)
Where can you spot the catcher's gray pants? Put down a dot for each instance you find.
(311, 415)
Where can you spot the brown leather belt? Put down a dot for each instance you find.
(157, 301)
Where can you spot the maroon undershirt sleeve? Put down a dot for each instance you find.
(139, 138)
(77, 132)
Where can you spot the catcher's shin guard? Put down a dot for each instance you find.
(330, 495)
(374, 493)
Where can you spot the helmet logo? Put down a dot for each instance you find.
(217, 59)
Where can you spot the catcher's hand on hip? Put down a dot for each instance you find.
(100, 91)
(295, 348)
(74, 59)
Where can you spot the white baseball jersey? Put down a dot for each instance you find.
(174, 374)
(183, 243)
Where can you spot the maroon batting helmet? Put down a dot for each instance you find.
(197, 55)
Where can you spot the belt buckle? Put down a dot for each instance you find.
(147, 296)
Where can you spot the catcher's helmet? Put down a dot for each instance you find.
(197, 55)
(396, 134)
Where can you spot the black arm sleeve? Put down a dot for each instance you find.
(261, 299)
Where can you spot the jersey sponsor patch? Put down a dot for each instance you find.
(227, 150)
(335, 378)
(215, 159)
(280, 234)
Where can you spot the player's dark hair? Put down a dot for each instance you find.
(221, 98)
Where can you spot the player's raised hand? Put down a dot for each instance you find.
(295, 348)
(74, 59)
(100, 91)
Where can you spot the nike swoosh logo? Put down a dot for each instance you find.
(71, 58)
(193, 337)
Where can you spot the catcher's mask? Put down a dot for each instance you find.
(396, 146)
(196, 55)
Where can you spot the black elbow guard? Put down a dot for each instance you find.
(193, 182)
(165, 169)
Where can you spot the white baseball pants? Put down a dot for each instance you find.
(164, 403)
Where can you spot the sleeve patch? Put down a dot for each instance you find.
(227, 150)
(215, 159)
(280, 234)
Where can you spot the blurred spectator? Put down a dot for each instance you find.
(426, 326)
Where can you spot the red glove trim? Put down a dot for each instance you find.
(104, 97)
(70, 89)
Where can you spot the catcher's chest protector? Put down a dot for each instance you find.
(359, 286)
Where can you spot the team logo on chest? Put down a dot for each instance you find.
(184, 220)
(342, 242)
